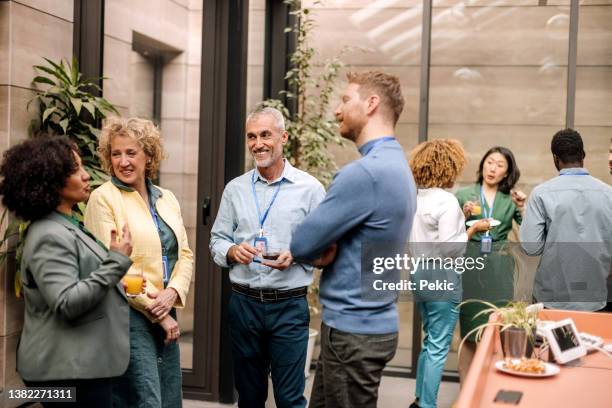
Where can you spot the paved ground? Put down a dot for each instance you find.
(394, 393)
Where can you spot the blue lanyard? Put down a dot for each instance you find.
(575, 174)
(483, 200)
(154, 215)
(486, 214)
(165, 273)
(262, 219)
(379, 141)
(156, 222)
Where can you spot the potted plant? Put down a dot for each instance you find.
(517, 326)
(65, 106)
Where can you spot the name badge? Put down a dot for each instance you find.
(486, 244)
(261, 245)
(166, 269)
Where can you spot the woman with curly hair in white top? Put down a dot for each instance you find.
(438, 232)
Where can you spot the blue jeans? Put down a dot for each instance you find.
(439, 319)
(269, 338)
(153, 378)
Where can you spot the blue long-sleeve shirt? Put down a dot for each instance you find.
(371, 200)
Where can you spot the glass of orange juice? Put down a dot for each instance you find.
(134, 280)
(476, 208)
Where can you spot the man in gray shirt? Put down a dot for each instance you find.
(268, 311)
(569, 223)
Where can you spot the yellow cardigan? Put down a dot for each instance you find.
(110, 208)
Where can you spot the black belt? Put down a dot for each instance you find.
(269, 295)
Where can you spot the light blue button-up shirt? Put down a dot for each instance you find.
(568, 222)
(238, 221)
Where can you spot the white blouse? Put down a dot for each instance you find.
(438, 219)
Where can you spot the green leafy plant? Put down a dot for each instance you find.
(11, 242)
(514, 314)
(311, 130)
(66, 106)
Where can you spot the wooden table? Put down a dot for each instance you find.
(586, 384)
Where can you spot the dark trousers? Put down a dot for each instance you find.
(269, 337)
(92, 393)
(350, 367)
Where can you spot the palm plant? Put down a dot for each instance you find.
(66, 106)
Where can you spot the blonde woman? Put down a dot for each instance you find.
(438, 232)
(130, 151)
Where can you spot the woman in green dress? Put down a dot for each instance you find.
(491, 197)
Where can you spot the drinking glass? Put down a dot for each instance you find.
(272, 253)
(477, 208)
(134, 280)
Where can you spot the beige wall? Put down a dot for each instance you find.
(373, 35)
(29, 30)
(176, 24)
(255, 63)
(498, 73)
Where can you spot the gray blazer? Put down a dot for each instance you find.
(76, 323)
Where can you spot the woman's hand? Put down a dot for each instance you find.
(125, 246)
(164, 301)
(479, 226)
(171, 328)
(518, 198)
(467, 209)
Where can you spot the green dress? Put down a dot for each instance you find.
(495, 282)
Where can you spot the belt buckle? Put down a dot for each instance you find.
(261, 296)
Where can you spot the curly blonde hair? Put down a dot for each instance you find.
(142, 131)
(437, 163)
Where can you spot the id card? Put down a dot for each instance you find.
(261, 245)
(486, 244)
(165, 267)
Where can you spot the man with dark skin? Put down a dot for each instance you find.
(569, 222)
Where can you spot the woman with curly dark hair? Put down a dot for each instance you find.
(76, 325)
